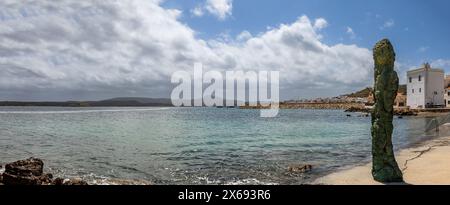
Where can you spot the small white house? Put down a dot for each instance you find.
(425, 87)
(447, 97)
(447, 91)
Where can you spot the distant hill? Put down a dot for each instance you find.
(163, 101)
(366, 91)
(114, 102)
(361, 94)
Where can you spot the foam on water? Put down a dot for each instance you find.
(250, 181)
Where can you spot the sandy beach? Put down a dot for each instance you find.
(426, 164)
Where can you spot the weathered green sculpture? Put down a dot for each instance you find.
(384, 168)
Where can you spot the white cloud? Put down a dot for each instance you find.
(295, 49)
(197, 11)
(351, 33)
(441, 63)
(243, 36)
(320, 24)
(388, 24)
(220, 8)
(102, 49)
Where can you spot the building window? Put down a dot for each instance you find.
(420, 78)
(410, 79)
(412, 90)
(420, 89)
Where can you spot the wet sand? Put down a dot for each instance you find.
(426, 164)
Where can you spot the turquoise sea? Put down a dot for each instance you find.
(192, 145)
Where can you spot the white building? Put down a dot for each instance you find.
(425, 87)
(447, 91)
(447, 97)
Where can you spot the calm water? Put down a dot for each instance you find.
(191, 145)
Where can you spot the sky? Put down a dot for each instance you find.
(92, 50)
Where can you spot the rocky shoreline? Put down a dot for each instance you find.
(318, 106)
(397, 111)
(348, 107)
(31, 172)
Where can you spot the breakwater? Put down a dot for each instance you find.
(323, 106)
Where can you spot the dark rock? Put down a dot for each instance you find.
(58, 181)
(358, 109)
(29, 167)
(47, 178)
(299, 168)
(30, 172)
(384, 165)
(10, 179)
(75, 181)
(26, 172)
(405, 112)
(23, 172)
(68, 182)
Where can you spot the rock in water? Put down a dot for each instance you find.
(25, 172)
(29, 167)
(70, 182)
(1, 175)
(30, 172)
(385, 167)
(58, 181)
(75, 181)
(299, 168)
